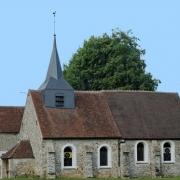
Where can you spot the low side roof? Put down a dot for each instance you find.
(146, 115)
(22, 150)
(10, 119)
(91, 118)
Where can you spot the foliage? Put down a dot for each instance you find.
(110, 62)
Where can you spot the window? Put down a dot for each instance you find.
(59, 101)
(69, 156)
(104, 156)
(168, 154)
(141, 152)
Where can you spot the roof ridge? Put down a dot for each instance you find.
(81, 91)
(113, 90)
(14, 149)
(136, 91)
(140, 91)
(12, 106)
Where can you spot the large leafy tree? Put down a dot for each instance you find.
(110, 62)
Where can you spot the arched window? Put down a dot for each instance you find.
(104, 159)
(103, 156)
(69, 156)
(168, 152)
(140, 152)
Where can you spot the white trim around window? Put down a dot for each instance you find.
(172, 151)
(74, 158)
(109, 156)
(146, 152)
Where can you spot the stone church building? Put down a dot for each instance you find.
(63, 132)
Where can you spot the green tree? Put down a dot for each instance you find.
(110, 62)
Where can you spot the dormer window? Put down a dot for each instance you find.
(59, 101)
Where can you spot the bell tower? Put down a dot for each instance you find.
(57, 92)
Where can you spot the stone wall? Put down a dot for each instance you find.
(123, 159)
(7, 141)
(30, 130)
(21, 167)
(48, 154)
(85, 150)
(154, 166)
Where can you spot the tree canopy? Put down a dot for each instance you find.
(112, 61)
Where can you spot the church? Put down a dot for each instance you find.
(107, 133)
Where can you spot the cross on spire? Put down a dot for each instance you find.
(54, 14)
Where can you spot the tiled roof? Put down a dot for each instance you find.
(10, 119)
(22, 150)
(112, 114)
(91, 118)
(146, 115)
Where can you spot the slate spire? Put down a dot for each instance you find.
(56, 91)
(54, 69)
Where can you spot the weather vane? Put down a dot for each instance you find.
(54, 13)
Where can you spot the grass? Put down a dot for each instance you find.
(64, 178)
(145, 178)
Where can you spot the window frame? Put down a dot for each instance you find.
(58, 96)
(146, 153)
(109, 157)
(172, 146)
(68, 161)
(74, 158)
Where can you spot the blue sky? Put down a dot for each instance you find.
(27, 30)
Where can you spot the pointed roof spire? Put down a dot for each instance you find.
(54, 14)
(54, 70)
(54, 78)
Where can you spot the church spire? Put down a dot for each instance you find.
(57, 92)
(54, 69)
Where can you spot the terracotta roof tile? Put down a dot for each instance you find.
(112, 114)
(91, 118)
(10, 119)
(22, 150)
